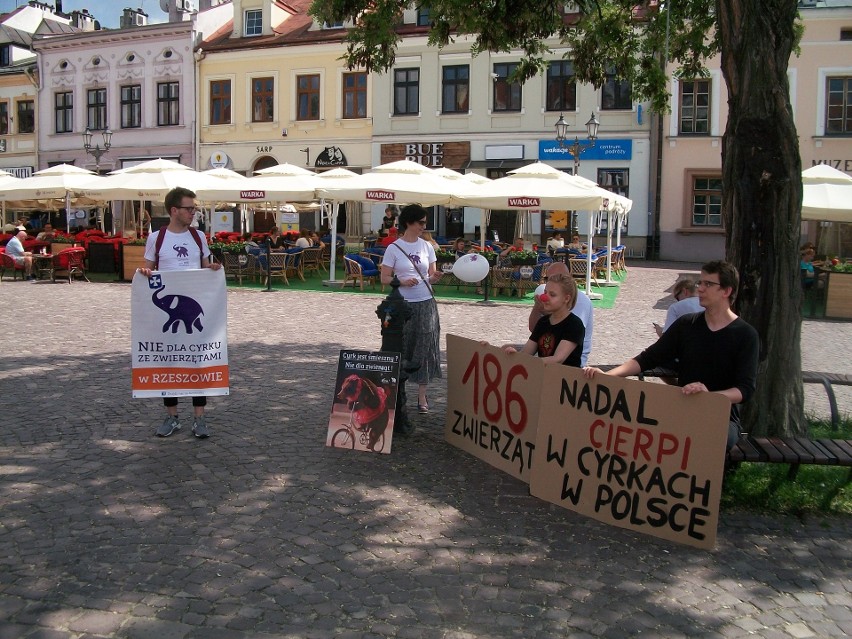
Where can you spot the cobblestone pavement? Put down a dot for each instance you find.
(261, 531)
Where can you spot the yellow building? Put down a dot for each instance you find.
(272, 90)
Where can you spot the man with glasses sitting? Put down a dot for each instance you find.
(716, 349)
(686, 302)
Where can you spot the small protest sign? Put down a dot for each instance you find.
(633, 454)
(493, 404)
(179, 334)
(364, 404)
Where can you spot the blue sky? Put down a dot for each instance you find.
(107, 12)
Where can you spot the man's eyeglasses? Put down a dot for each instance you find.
(708, 283)
(194, 209)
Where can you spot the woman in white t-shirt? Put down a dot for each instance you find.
(412, 260)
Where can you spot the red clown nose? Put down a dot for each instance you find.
(544, 297)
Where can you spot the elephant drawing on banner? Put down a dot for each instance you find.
(180, 308)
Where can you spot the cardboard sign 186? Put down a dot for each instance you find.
(633, 454)
(493, 404)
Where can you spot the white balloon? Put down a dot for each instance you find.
(539, 290)
(471, 268)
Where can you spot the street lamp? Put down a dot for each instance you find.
(97, 152)
(576, 147)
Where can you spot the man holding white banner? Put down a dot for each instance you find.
(179, 247)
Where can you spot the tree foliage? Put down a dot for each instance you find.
(635, 39)
(627, 36)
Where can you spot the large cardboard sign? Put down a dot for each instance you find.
(493, 404)
(633, 454)
(364, 405)
(179, 334)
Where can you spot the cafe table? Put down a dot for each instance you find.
(43, 265)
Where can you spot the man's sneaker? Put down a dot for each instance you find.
(199, 428)
(170, 425)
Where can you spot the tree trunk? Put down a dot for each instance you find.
(762, 202)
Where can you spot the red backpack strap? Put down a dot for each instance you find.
(161, 236)
(197, 237)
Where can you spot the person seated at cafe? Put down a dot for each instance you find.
(276, 240)
(15, 250)
(391, 237)
(558, 335)
(25, 224)
(304, 240)
(517, 246)
(47, 234)
(686, 301)
(427, 236)
(555, 242)
(576, 244)
(315, 239)
(810, 278)
(459, 247)
(388, 221)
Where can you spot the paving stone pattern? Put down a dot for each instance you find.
(261, 531)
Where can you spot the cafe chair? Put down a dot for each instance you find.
(312, 260)
(70, 263)
(359, 268)
(238, 266)
(8, 264)
(578, 267)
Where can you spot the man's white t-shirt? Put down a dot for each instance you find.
(583, 310)
(14, 248)
(179, 251)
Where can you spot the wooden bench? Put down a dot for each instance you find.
(793, 451)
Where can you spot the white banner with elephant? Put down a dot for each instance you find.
(179, 334)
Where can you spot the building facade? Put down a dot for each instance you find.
(690, 218)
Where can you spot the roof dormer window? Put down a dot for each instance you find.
(254, 22)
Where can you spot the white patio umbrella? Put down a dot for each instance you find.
(55, 182)
(327, 179)
(402, 182)
(284, 169)
(826, 194)
(538, 186)
(6, 179)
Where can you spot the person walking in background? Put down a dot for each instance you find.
(179, 247)
(686, 302)
(412, 260)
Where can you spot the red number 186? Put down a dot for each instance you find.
(493, 403)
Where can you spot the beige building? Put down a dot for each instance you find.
(821, 95)
(445, 107)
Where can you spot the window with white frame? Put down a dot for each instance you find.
(406, 91)
(64, 111)
(4, 118)
(253, 25)
(96, 109)
(561, 86)
(131, 106)
(354, 95)
(455, 89)
(262, 99)
(838, 115)
(168, 103)
(707, 200)
(694, 116)
(26, 116)
(507, 95)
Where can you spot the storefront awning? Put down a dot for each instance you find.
(495, 164)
